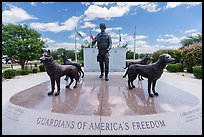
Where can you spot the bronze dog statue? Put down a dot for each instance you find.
(67, 62)
(143, 62)
(56, 71)
(152, 72)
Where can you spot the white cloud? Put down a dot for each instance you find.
(69, 24)
(190, 31)
(65, 45)
(53, 26)
(86, 3)
(46, 2)
(120, 9)
(48, 40)
(176, 4)
(88, 25)
(35, 3)
(146, 48)
(102, 3)
(130, 4)
(15, 15)
(168, 38)
(95, 11)
(150, 7)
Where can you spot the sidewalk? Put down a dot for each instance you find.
(15, 85)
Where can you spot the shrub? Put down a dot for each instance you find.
(18, 72)
(42, 68)
(178, 67)
(10, 73)
(24, 72)
(197, 72)
(192, 56)
(176, 54)
(35, 70)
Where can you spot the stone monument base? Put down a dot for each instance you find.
(102, 107)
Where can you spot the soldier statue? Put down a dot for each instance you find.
(104, 44)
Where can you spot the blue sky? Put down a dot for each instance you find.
(159, 25)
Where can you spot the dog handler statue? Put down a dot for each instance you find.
(104, 44)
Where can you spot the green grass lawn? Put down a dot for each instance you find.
(6, 66)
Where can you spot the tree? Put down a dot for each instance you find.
(21, 43)
(55, 53)
(191, 40)
(130, 55)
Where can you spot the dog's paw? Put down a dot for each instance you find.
(124, 76)
(57, 93)
(133, 86)
(66, 86)
(74, 86)
(66, 79)
(151, 95)
(156, 94)
(50, 93)
(130, 87)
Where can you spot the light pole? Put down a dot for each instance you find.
(75, 46)
(134, 42)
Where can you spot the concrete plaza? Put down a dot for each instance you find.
(102, 107)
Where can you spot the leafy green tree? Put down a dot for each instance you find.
(142, 55)
(81, 54)
(130, 55)
(55, 53)
(191, 40)
(20, 43)
(71, 54)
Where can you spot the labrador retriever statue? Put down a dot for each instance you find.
(143, 62)
(56, 71)
(152, 72)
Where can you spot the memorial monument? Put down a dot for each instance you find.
(98, 107)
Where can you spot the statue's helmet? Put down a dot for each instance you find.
(103, 25)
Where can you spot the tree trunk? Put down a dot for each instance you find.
(22, 63)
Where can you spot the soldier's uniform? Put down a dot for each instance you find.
(104, 44)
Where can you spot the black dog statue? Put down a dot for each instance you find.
(152, 72)
(67, 62)
(56, 71)
(143, 62)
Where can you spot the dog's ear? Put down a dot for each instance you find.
(63, 53)
(162, 55)
(48, 52)
(42, 51)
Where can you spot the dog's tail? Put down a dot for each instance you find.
(126, 65)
